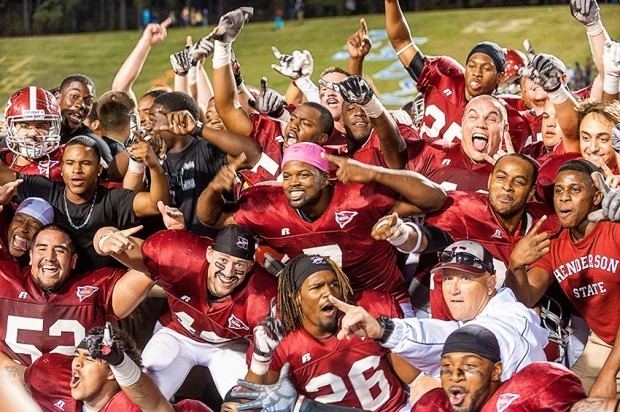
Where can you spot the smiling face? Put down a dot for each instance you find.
(303, 184)
(466, 294)
(76, 100)
(481, 75)
(225, 272)
(20, 233)
(304, 126)
(469, 380)
(574, 197)
(331, 98)
(595, 139)
(511, 185)
(484, 124)
(51, 259)
(356, 122)
(320, 318)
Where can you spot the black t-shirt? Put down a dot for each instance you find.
(189, 172)
(115, 146)
(112, 207)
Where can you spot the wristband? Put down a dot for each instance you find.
(611, 84)
(192, 76)
(103, 238)
(197, 132)
(594, 29)
(259, 365)
(135, 167)
(559, 96)
(298, 403)
(400, 235)
(418, 232)
(402, 50)
(222, 53)
(127, 373)
(373, 108)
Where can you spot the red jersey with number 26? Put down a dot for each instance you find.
(349, 372)
(342, 232)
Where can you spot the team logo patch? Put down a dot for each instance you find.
(318, 260)
(84, 292)
(447, 92)
(60, 405)
(504, 401)
(344, 217)
(242, 243)
(306, 358)
(497, 234)
(236, 323)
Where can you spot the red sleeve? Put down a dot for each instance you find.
(433, 401)
(253, 204)
(450, 218)
(436, 68)
(173, 254)
(191, 405)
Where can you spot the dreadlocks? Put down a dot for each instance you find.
(288, 305)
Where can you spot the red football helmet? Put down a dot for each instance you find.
(32, 104)
(509, 82)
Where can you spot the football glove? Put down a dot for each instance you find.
(355, 89)
(585, 12)
(231, 23)
(181, 62)
(103, 346)
(267, 336)
(268, 101)
(547, 71)
(279, 397)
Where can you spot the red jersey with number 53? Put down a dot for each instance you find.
(33, 322)
(350, 372)
(342, 232)
(177, 258)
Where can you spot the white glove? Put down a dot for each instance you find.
(267, 336)
(268, 101)
(202, 49)
(181, 62)
(585, 12)
(611, 65)
(231, 23)
(295, 65)
(610, 207)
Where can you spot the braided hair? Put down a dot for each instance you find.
(288, 306)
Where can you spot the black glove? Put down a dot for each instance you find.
(273, 265)
(181, 62)
(355, 89)
(103, 346)
(547, 70)
(268, 101)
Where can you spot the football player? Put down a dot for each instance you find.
(584, 259)
(446, 85)
(46, 309)
(103, 375)
(324, 368)
(215, 295)
(316, 216)
(33, 120)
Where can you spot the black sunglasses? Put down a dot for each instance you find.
(464, 258)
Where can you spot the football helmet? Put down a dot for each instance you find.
(32, 104)
(557, 323)
(509, 82)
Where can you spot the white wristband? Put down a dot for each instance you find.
(559, 96)
(400, 234)
(611, 84)
(135, 167)
(258, 366)
(192, 76)
(308, 88)
(402, 50)
(418, 242)
(103, 238)
(222, 53)
(127, 373)
(595, 28)
(374, 108)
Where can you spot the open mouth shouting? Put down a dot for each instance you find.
(479, 141)
(456, 395)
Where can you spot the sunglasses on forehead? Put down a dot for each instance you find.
(464, 258)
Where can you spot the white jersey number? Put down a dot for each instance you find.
(16, 323)
(453, 132)
(359, 383)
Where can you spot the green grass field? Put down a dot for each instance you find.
(45, 60)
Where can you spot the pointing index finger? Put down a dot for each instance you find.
(363, 27)
(337, 160)
(166, 23)
(536, 228)
(340, 305)
(131, 230)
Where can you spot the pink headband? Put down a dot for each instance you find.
(308, 153)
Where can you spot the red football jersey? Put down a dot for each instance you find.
(449, 166)
(587, 272)
(370, 151)
(50, 167)
(434, 400)
(469, 216)
(178, 259)
(349, 372)
(539, 387)
(342, 232)
(34, 322)
(268, 133)
(442, 82)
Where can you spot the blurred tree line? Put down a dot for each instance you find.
(25, 17)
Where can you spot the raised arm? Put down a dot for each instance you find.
(210, 205)
(423, 195)
(399, 33)
(358, 45)
(235, 119)
(145, 203)
(132, 66)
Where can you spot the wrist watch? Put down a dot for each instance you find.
(387, 324)
(197, 132)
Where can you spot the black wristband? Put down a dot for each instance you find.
(197, 132)
(388, 327)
